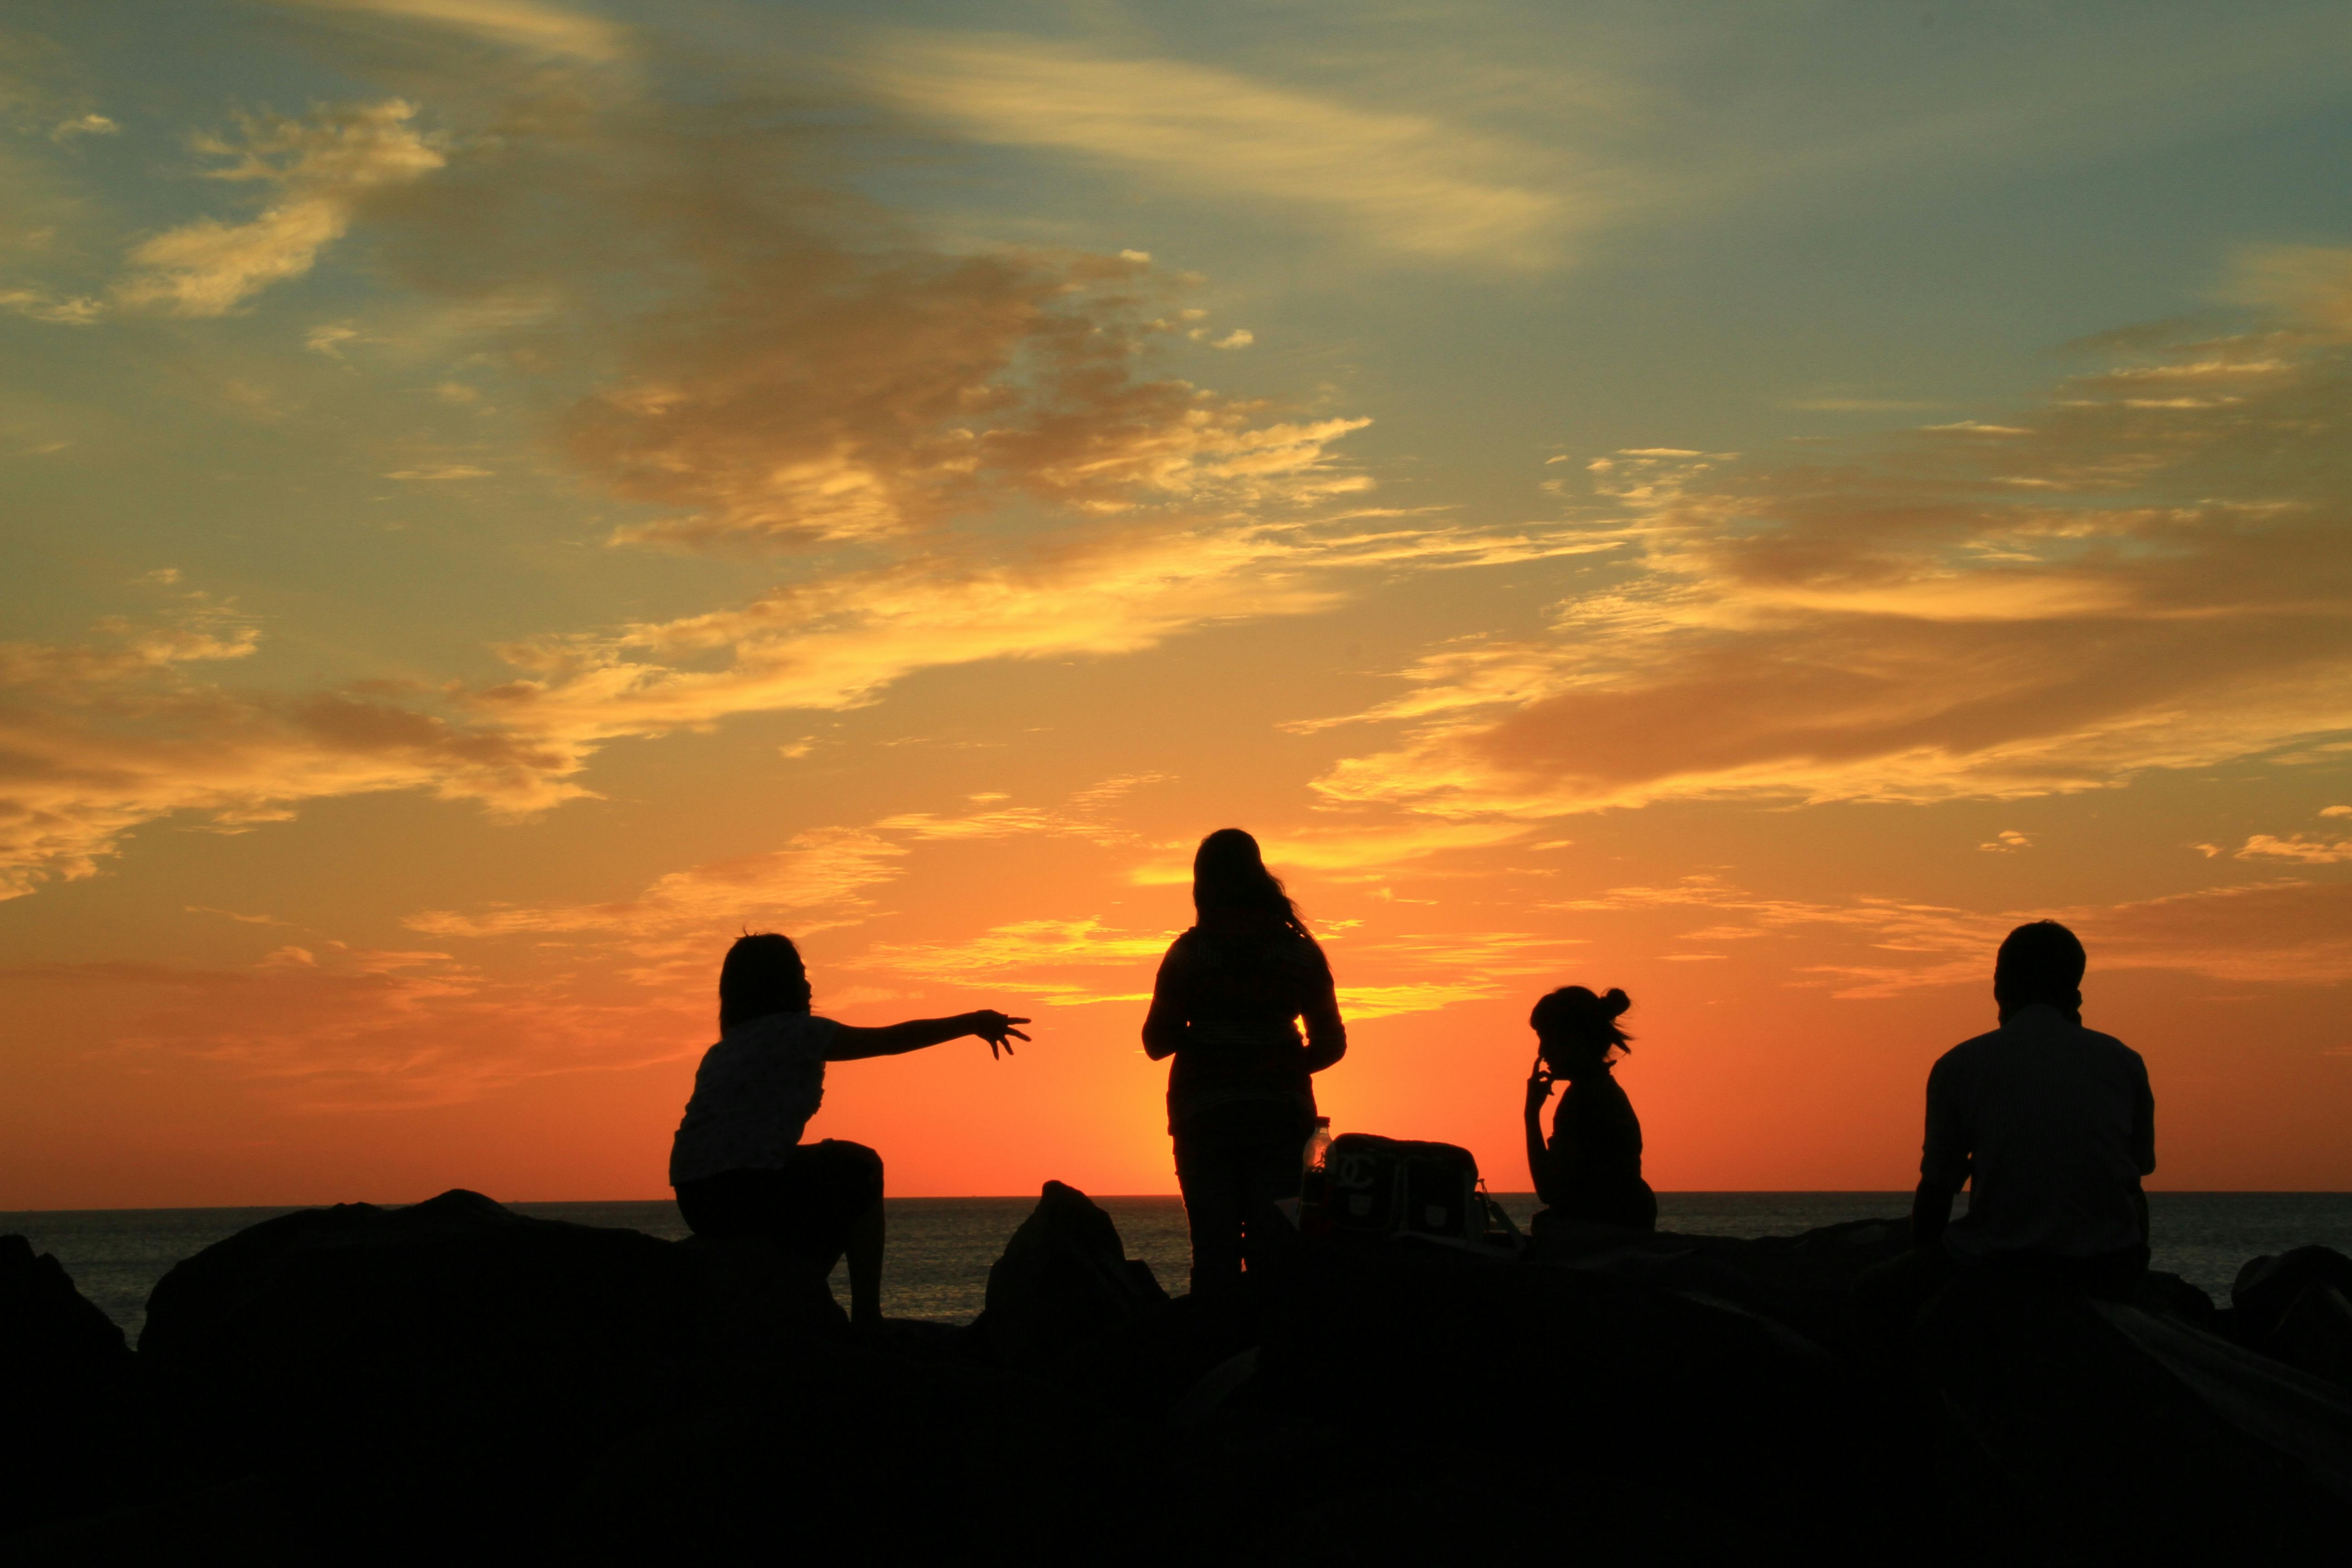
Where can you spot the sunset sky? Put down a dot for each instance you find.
(1744, 503)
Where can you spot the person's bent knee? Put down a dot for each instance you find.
(855, 1167)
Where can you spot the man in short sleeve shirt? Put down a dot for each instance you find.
(2050, 1124)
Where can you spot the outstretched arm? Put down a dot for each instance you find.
(852, 1044)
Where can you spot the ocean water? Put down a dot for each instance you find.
(940, 1248)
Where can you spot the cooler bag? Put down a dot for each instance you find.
(1379, 1188)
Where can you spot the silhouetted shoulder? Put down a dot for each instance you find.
(2098, 1041)
(2041, 1031)
(1961, 1058)
(1185, 950)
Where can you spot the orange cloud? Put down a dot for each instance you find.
(2309, 851)
(99, 738)
(822, 869)
(330, 1026)
(2115, 583)
(2286, 932)
(627, 255)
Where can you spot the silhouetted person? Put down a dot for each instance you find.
(1592, 1170)
(737, 1163)
(2051, 1125)
(1241, 1102)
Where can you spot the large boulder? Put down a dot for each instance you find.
(877, 1449)
(66, 1415)
(2297, 1307)
(1064, 1278)
(1805, 1281)
(452, 1336)
(2122, 1435)
(1450, 1381)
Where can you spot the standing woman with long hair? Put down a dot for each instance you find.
(1240, 1098)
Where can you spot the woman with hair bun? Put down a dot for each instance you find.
(1241, 1102)
(1592, 1171)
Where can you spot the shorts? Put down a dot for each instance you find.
(807, 1205)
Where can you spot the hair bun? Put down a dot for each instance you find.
(1615, 1003)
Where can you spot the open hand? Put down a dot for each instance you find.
(997, 1029)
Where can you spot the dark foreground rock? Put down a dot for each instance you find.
(1064, 1278)
(2298, 1307)
(2115, 1433)
(360, 1384)
(498, 1349)
(68, 1415)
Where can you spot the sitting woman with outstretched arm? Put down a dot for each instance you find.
(737, 1163)
(1592, 1170)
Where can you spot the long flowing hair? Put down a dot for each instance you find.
(1229, 876)
(762, 974)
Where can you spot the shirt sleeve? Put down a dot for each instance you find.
(1326, 1034)
(1171, 1010)
(1944, 1157)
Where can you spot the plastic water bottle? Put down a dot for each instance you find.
(1318, 1144)
(1314, 1215)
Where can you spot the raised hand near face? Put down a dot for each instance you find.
(1539, 1082)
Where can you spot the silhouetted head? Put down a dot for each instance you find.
(1579, 1030)
(1229, 877)
(764, 973)
(2042, 962)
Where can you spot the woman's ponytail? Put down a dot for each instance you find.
(1574, 1010)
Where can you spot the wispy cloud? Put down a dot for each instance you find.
(1032, 957)
(322, 167)
(2298, 847)
(1404, 181)
(817, 880)
(1983, 609)
(2283, 932)
(823, 868)
(327, 1026)
(124, 733)
(1084, 816)
(57, 309)
(84, 125)
(516, 23)
(109, 735)
(1352, 852)
(441, 472)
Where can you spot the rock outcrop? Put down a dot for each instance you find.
(2298, 1307)
(454, 1335)
(67, 1418)
(2102, 1432)
(358, 1383)
(1064, 1279)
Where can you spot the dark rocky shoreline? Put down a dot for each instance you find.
(357, 1383)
